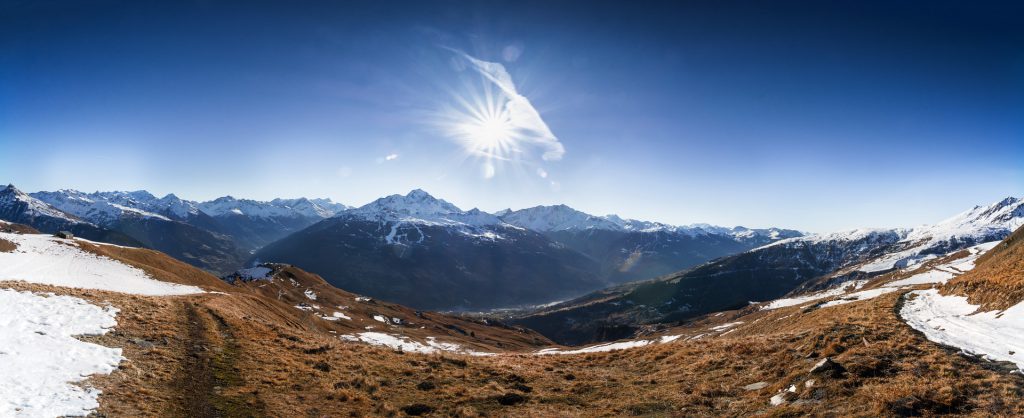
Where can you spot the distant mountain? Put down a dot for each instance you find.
(216, 235)
(425, 252)
(253, 224)
(628, 249)
(769, 272)
(18, 207)
(135, 214)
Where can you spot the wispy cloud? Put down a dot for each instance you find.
(386, 158)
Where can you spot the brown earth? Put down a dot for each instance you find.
(997, 280)
(7, 246)
(250, 352)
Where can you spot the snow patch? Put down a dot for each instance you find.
(41, 359)
(48, 260)
(400, 342)
(953, 321)
(859, 296)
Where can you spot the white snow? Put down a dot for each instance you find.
(953, 321)
(41, 361)
(381, 318)
(400, 342)
(565, 218)
(799, 300)
(311, 295)
(938, 273)
(104, 208)
(859, 296)
(930, 276)
(341, 315)
(600, 348)
(277, 208)
(726, 326)
(47, 260)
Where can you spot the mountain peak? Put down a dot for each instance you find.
(10, 189)
(420, 207)
(419, 194)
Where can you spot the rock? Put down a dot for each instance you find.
(145, 345)
(426, 385)
(509, 399)
(756, 386)
(522, 388)
(828, 367)
(417, 409)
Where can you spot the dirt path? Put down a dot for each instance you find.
(211, 382)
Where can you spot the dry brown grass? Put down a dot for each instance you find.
(157, 264)
(7, 246)
(245, 353)
(997, 281)
(256, 361)
(17, 228)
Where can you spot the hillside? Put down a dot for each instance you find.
(271, 343)
(997, 283)
(798, 265)
(425, 252)
(627, 249)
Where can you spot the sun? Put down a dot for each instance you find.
(490, 134)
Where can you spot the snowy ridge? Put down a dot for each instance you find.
(404, 215)
(106, 208)
(100, 208)
(10, 196)
(851, 291)
(903, 247)
(277, 208)
(419, 207)
(564, 218)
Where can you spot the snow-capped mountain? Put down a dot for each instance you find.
(905, 247)
(406, 215)
(558, 218)
(250, 224)
(277, 208)
(29, 206)
(812, 262)
(629, 249)
(254, 224)
(19, 207)
(564, 218)
(428, 253)
(101, 208)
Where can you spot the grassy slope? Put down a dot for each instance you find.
(240, 353)
(997, 281)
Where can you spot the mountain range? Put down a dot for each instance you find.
(796, 265)
(414, 249)
(426, 252)
(866, 322)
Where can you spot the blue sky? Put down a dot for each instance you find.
(811, 115)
